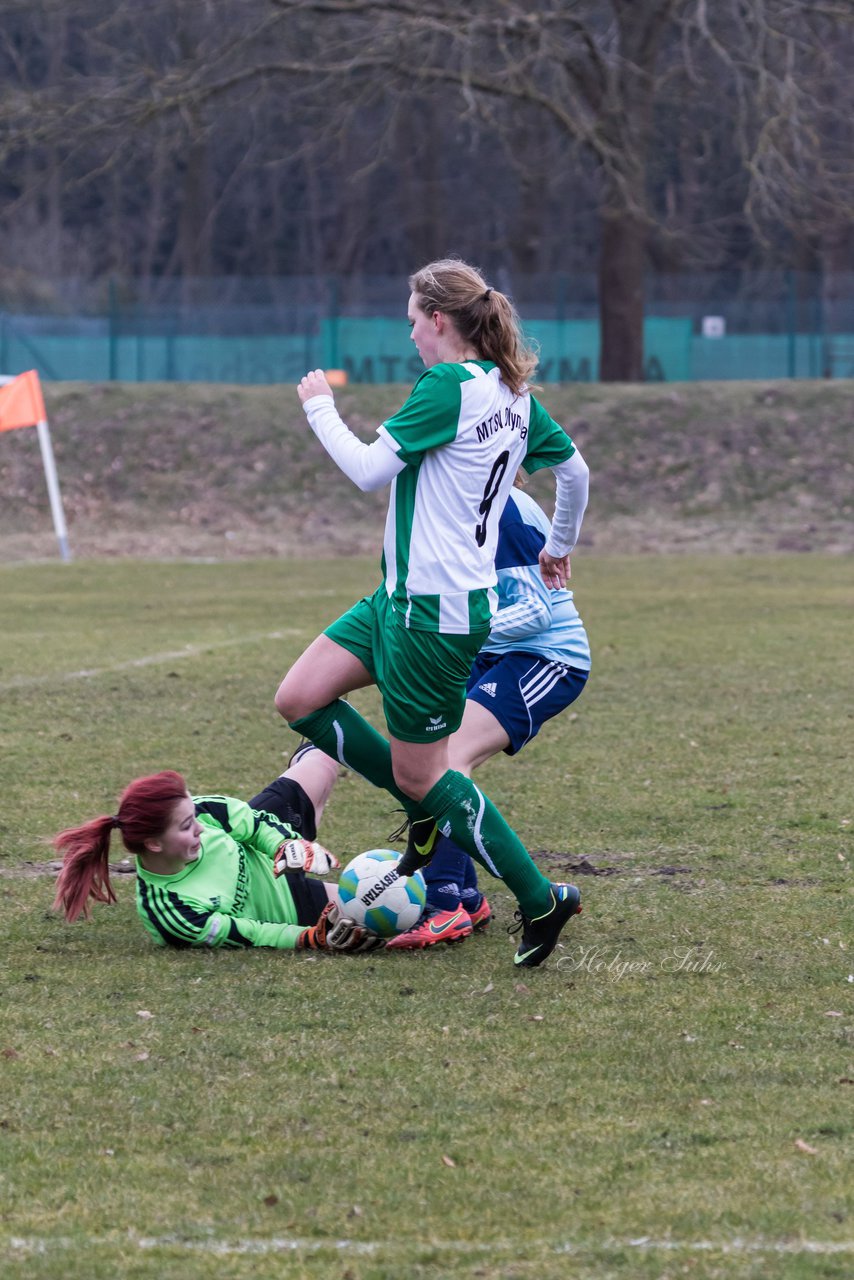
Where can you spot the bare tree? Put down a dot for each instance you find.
(187, 136)
(599, 72)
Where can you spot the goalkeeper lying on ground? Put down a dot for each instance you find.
(213, 871)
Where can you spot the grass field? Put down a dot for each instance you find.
(671, 1095)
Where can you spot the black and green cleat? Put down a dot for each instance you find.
(422, 834)
(540, 934)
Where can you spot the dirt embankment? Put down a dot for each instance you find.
(174, 470)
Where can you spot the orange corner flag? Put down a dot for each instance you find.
(21, 402)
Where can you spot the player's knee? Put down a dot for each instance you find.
(459, 757)
(412, 782)
(286, 702)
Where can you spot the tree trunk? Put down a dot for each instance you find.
(626, 127)
(622, 258)
(193, 222)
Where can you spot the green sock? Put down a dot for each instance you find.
(340, 731)
(479, 828)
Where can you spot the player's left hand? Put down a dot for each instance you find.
(555, 571)
(314, 384)
(336, 932)
(304, 855)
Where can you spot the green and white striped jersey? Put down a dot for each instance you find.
(229, 896)
(463, 435)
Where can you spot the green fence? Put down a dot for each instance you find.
(271, 331)
(371, 349)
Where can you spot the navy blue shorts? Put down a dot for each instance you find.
(523, 691)
(286, 800)
(310, 896)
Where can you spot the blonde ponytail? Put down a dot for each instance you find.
(484, 317)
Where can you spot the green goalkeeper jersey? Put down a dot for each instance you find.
(229, 896)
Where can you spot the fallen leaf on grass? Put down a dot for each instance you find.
(269, 1201)
(144, 1013)
(832, 1013)
(805, 1147)
(521, 989)
(11, 1053)
(452, 1164)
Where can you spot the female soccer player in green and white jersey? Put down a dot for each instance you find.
(450, 455)
(213, 871)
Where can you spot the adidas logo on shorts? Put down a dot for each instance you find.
(490, 687)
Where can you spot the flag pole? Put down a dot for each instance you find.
(53, 488)
(22, 405)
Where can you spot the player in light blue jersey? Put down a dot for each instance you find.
(534, 664)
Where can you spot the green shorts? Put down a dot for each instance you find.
(421, 675)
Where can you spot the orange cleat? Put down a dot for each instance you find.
(482, 916)
(437, 926)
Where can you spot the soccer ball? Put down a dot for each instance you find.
(373, 894)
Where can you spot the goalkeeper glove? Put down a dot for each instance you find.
(304, 855)
(334, 932)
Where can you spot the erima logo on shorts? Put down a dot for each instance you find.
(436, 723)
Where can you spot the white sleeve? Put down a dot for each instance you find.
(524, 604)
(571, 479)
(370, 466)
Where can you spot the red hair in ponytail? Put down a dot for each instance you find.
(144, 813)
